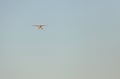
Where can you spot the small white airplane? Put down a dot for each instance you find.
(39, 27)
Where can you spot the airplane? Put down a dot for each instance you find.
(39, 27)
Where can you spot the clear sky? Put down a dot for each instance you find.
(81, 39)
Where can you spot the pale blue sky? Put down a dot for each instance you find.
(81, 39)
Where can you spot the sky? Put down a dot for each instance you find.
(81, 39)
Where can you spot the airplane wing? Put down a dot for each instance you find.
(36, 25)
(43, 25)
